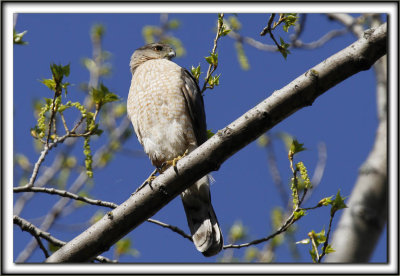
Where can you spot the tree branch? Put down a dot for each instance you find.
(361, 224)
(97, 202)
(300, 93)
(37, 233)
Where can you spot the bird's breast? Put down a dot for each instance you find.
(158, 110)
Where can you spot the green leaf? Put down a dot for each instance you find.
(298, 214)
(251, 254)
(18, 38)
(214, 81)
(313, 255)
(65, 70)
(283, 48)
(263, 140)
(50, 83)
(111, 97)
(212, 59)
(276, 217)
(304, 175)
(234, 23)
(338, 203)
(97, 31)
(173, 24)
(237, 231)
(329, 249)
(52, 247)
(59, 71)
(290, 20)
(123, 246)
(64, 86)
(98, 131)
(102, 95)
(96, 217)
(325, 201)
(241, 55)
(320, 237)
(295, 147)
(196, 72)
(210, 133)
(225, 32)
(304, 241)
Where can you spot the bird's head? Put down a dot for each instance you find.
(151, 51)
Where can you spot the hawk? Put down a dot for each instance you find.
(166, 108)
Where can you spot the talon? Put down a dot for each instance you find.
(147, 181)
(150, 179)
(176, 159)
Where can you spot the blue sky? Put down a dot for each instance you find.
(344, 118)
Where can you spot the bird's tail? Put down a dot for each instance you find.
(202, 221)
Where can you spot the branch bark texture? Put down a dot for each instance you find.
(300, 93)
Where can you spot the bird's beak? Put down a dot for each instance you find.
(171, 54)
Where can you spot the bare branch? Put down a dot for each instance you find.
(289, 221)
(65, 193)
(46, 254)
(37, 233)
(349, 21)
(53, 113)
(295, 41)
(276, 177)
(252, 42)
(327, 238)
(320, 42)
(45, 151)
(173, 228)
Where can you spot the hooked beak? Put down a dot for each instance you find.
(171, 54)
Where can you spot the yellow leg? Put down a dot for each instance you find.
(148, 180)
(173, 162)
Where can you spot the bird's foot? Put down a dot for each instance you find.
(173, 162)
(148, 180)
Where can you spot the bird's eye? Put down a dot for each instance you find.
(158, 48)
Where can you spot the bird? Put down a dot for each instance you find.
(166, 108)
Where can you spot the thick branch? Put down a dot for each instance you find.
(300, 93)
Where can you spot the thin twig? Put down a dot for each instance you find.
(147, 181)
(37, 166)
(64, 123)
(65, 193)
(299, 28)
(41, 246)
(37, 233)
(53, 113)
(97, 202)
(314, 245)
(173, 228)
(283, 228)
(273, 168)
(320, 42)
(211, 67)
(295, 41)
(47, 175)
(45, 151)
(327, 238)
(268, 27)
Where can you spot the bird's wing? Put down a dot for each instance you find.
(195, 104)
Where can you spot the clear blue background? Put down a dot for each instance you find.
(344, 119)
